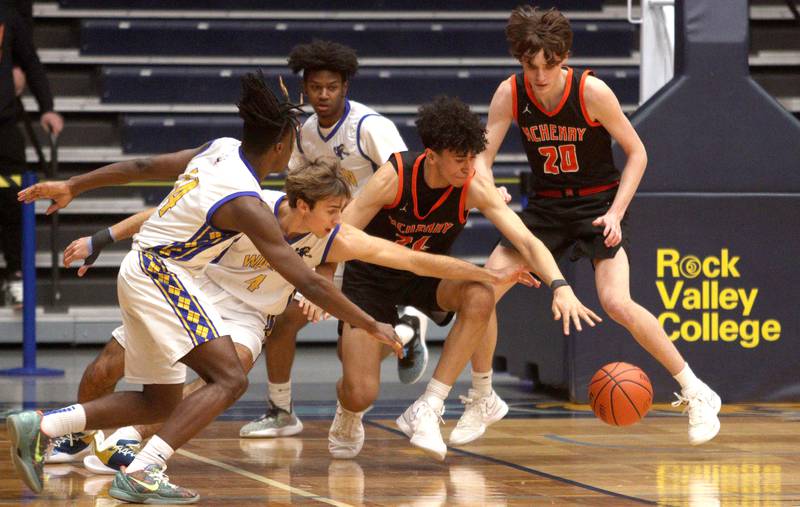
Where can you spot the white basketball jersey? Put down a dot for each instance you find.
(245, 274)
(362, 140)
(180, 230)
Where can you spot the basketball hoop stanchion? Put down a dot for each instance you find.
(29, 368)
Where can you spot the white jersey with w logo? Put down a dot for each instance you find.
(241, 272)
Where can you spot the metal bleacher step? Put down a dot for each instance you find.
(74, 56)
(106, 155)
(53, 10)
(94, 206)
(95, 105)
(81, 325)
(772, 57)
(108, 259)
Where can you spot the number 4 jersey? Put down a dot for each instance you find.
(243, 273)
(180, 230)
(565, 148)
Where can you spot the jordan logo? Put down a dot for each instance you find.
(526, 110)
(404, 208)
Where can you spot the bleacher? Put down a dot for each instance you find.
(138, 78)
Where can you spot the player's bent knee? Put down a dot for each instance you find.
(246, 358)
(105, 370)
(292, 317)
(478, 298)
(235, 385)
(618, 308)
(359, 396)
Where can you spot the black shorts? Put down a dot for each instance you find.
(379, 291)
(564, 223)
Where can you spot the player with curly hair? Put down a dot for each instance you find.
(421, 201)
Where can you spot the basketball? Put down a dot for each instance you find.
(620, 394)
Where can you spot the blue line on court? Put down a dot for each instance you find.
(525, 469)
(566, 440)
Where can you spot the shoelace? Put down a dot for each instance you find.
(692, 404)
(61, 440)
(125, 450)
(424, 410)
(475, 409)
(346, 423)
(159, 477)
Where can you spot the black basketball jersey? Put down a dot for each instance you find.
(565, 148)
(420, 218)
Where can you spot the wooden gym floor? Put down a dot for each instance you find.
(545, 452)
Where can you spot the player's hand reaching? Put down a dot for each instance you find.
(59, 191)
(513, 274)
(503, 191)
(312, 312)
(568, 308)
(612, 229)
(80, 250)
(384, 333)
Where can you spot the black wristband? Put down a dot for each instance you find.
(558, 283)
(98, 241)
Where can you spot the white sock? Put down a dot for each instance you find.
(360, 415)
(435, 394)
(57, 423)
(281, 395)
(126, 433)
(686, 378)
(482, 382)
(156, 452)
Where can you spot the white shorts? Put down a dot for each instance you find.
(165, 316)
(247, 327)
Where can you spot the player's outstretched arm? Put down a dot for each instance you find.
(252, 217)
(351, 243)
(88, 248)
(160, 167)
(566, 305)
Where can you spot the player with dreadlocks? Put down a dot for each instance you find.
(170, 322)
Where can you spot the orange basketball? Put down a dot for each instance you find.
(620, 394)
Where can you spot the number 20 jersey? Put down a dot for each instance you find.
(565, 148)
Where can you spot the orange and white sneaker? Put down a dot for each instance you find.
(480, 412)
